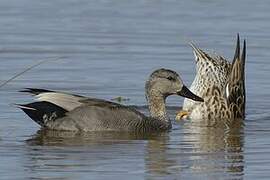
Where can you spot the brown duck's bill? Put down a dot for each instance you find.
(185, 92)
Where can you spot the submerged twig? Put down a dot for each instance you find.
(29, 68)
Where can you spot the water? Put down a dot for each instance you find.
(111, 47)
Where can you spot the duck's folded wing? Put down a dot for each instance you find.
(61, 111)
(63, 100)
(100, 116)
(92, 116)
(235, 86)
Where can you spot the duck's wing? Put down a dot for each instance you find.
(61, 111)
(235, 86)
(100, 116)
(61, 99)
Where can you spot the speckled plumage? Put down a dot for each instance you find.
(222, 86)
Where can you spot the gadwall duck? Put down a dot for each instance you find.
(62, 111)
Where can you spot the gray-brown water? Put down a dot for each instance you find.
(111, 47)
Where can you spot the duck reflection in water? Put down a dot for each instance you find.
(189, 149)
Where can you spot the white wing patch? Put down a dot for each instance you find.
(227, 91)
(66, 101)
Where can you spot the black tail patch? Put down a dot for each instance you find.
(35, 91)
(42, 111)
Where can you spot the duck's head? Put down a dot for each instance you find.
(165, 82)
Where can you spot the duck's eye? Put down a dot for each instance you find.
(170, 78)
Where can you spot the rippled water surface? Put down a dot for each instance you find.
(110, 48)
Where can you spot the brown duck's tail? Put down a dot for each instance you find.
(235, 86)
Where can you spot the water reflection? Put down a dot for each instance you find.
(188, 149)
(71, 138)
(99, 154)
(209, 152)
(216, 149)
(158, 159)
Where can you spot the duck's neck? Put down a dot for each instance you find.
(157, 107)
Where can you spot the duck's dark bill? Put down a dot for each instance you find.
(185, 92)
